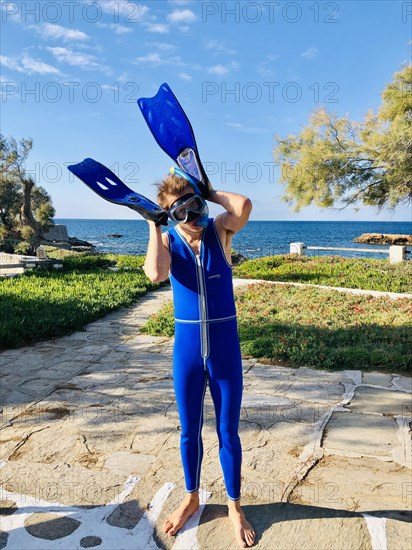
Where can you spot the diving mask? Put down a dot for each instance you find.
(188, 208)
(191, 206)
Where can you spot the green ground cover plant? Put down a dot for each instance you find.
(317, 328)
(45, 303)
(295, 325)
(365, 273)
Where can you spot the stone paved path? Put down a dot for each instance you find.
(90, 450)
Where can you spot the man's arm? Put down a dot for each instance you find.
(157, 263)
(238, 209)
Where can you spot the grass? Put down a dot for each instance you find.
(317, 328)
(46, 303)
(277, 323)
(363, 273)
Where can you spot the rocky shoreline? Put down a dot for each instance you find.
(382, 238)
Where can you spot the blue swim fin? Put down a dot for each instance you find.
(106, 184)
(173, 132)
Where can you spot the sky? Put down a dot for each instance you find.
(243, 71)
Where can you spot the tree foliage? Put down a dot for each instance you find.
(336, 161)
(26, 209)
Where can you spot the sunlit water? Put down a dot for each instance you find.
(258, 238)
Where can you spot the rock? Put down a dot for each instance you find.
(78, 243)
(50, 526)
(382, 238)
(7, 507)
(126, 515)
(90, 542)
(3, 539)
(238, 258)
(56, 233)
(115, 236)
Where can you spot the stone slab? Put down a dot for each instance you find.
(403, 382)
(377, 379)
(346, 432)
(118, 418)
(287, 527)
(375, 400)
(399, 534)
(126, 463)
(358, 485)
(65, 483)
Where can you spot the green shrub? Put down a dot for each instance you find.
(317, 328)
(368, 274)
(42, 304)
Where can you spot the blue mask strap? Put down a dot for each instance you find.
(178, 172)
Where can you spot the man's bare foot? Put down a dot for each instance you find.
(245, 535)
(178, 518)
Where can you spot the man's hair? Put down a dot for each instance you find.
(170, 185)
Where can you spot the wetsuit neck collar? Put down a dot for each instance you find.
(185, 241)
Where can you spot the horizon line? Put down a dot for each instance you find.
(260, 220)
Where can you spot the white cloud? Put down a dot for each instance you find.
(38, 67)
(9, 12)
(182, 16)
(160, 28)
(150, 58)
(245, 129)
(123, 77)
(185, 76)
(156, 60)
(124, 10)
(310, 53)
(118, 29)
(218, 46)
(265, 67)
(223, 69)
(218, 69)
(121, 29)
(9, 63)
(163, 46)
(50, 30)
(27, 64)
(234, 124)
(264, 70)
(76, 59)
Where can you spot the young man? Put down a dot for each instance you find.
(196, 254)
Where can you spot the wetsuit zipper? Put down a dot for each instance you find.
(205, 351)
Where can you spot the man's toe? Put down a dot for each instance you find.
(250, 538)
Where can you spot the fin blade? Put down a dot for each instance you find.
(177, 134)
(107, 185)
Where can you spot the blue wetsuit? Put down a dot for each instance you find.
(206, 349)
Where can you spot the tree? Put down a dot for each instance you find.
(26, 210)
(338, 162)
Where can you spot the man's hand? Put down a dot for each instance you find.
(238, 209)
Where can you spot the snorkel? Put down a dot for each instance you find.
(201, 218)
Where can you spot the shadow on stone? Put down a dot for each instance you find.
(126, 516)
(264, 518)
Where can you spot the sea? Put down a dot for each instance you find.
(257, 239)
